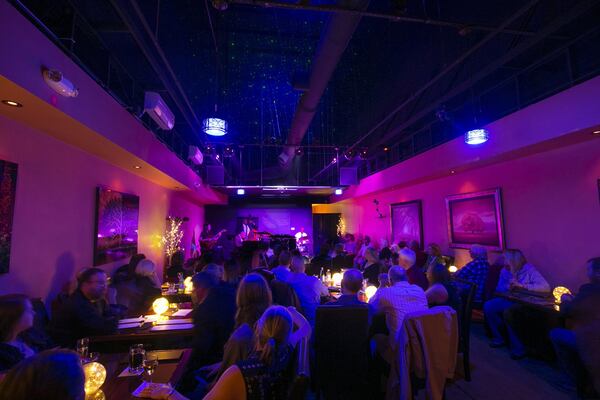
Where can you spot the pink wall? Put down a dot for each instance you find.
(550, 202)
(53, 223)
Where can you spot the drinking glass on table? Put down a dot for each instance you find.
(82, 347)
(136, 358)
(150, 364)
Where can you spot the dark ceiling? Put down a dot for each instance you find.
(402, 86)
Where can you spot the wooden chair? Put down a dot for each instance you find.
(466, 293)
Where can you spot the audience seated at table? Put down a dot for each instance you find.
(476, 271)
(372, 267)
(395, 302)
(340, 258)
(267, 373)
(176, 267)
(420, 255)
(352, 283)
(322, 259)
(216, 270)
(441, 291)
(517, 275)
(434, 256)
(349, 244)
(385, 258)
(308, 288)
(282, 270)
(578, 348)
(138, 291)
(85, 312)
(415, 274)
(213, 316)
(49, 375)
(16, 316)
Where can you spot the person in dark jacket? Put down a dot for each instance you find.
(213, 315)
(16, 316)
(352, 283)
(85, 312)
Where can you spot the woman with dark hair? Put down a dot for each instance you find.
(16, 316)
(50, 375)
(441, 291)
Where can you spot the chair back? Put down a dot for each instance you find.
(300, 382)
(341, 342)
(466, 293)
(491, 281)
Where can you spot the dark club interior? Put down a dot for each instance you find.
(299, 199)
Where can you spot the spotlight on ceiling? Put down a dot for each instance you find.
(241, 192)
(477, 136)
(12, 103)
(338, 191)
(299, 151)
(220, 5)
(214, 126)
(363, 154)
(334, 160)
(209, 149)
(349, 155)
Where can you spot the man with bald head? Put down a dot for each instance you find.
(351, 284)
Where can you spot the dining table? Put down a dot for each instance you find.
(172, 365)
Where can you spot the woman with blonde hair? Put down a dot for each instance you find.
(518, 274)
(264, 376)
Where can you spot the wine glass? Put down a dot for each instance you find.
(150, 364)
(82, 347)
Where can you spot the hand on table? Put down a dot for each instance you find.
(160, 392)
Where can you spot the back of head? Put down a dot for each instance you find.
(324, 250)
(339, 248)
(478, 252)
(216, 270)
(385, 254)
(434, 249)
(439, 274)
(232, 270)
(253, 297)
(177, 259)
(298, 264)
(397, 274)
(407, 257)
(145, 268)
(371, 255)
(272, 333)
(514, 258)
(204, 280)
(594, 269)
(50, 375)
(352, 281)
(414, 245)
(285, 258)
(12, 308)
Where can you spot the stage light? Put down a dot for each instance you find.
(350, 154)
(477, 136)
(228, 151)
(241, 192)
(214, 126)
(338, 191)
(363, 154)
(12, 103)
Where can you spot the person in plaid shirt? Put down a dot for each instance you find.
(476, 271)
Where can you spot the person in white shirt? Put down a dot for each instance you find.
(282, 271)
(308, 288)
(395, 302)
(518, 275)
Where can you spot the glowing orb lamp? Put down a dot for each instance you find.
(337, 279)
(160, 306)
(452, 268)
(189, 286)
(558, 293)
(95, 375)
(99, 395)
(370, 292)
(477, 136)
(214, 126)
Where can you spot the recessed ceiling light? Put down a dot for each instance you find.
(452, 171)
(12, 103)
(137, 167)
(596, 132)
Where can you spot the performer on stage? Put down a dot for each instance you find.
(302, 241)
(207, 232)
(208, 239)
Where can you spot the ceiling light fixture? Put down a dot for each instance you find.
(338, 192)
(477, 136)
(596, 132)
(241, 192)
(12, 103)
(214, 126)
(137, 167)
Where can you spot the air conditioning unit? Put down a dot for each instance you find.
(157, 109)
(195, 155)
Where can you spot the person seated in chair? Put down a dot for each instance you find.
(282, 271)
(308, 288)
(407, 259)
(519, 275)
(583, 314)
(85, 312)
(442, 291)
(372, 267)
(352, 283)
(16, 316)
(476, 271)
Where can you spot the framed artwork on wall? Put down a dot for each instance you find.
(8, 190)
(116, 233)
(476, 218)
(407, 222)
